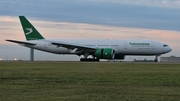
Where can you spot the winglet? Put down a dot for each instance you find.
(29, 30)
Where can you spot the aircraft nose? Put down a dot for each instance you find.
(166, 48)
(170, 49)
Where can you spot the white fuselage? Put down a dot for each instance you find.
(124, 47)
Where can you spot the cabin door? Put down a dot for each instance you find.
(152, 46)
(125, 45)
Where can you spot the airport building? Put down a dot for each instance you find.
(170, 59)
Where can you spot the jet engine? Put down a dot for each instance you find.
(105, 53)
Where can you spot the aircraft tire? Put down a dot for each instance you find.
(156, 60)
(89, 60)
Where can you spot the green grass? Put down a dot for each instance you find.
(76, 81)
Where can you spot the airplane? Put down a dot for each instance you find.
(108, 49)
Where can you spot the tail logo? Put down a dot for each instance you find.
(29, 31)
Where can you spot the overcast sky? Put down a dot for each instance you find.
(123, 18)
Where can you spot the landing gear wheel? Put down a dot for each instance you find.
(97, 60)
(82, 59)
(156, 60)
(89, 60)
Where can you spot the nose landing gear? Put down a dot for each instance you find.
(156, 58)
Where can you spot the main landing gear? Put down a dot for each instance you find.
(86, 59)
(89, 60)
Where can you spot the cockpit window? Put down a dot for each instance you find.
(165, 46)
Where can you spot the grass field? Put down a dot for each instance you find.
(76, 81)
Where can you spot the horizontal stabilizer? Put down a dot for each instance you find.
(21, 42)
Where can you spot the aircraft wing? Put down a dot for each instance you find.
(21, 42)
(72, 46)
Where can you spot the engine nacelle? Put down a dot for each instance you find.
(105, 53)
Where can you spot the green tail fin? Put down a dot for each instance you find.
(30, 32)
